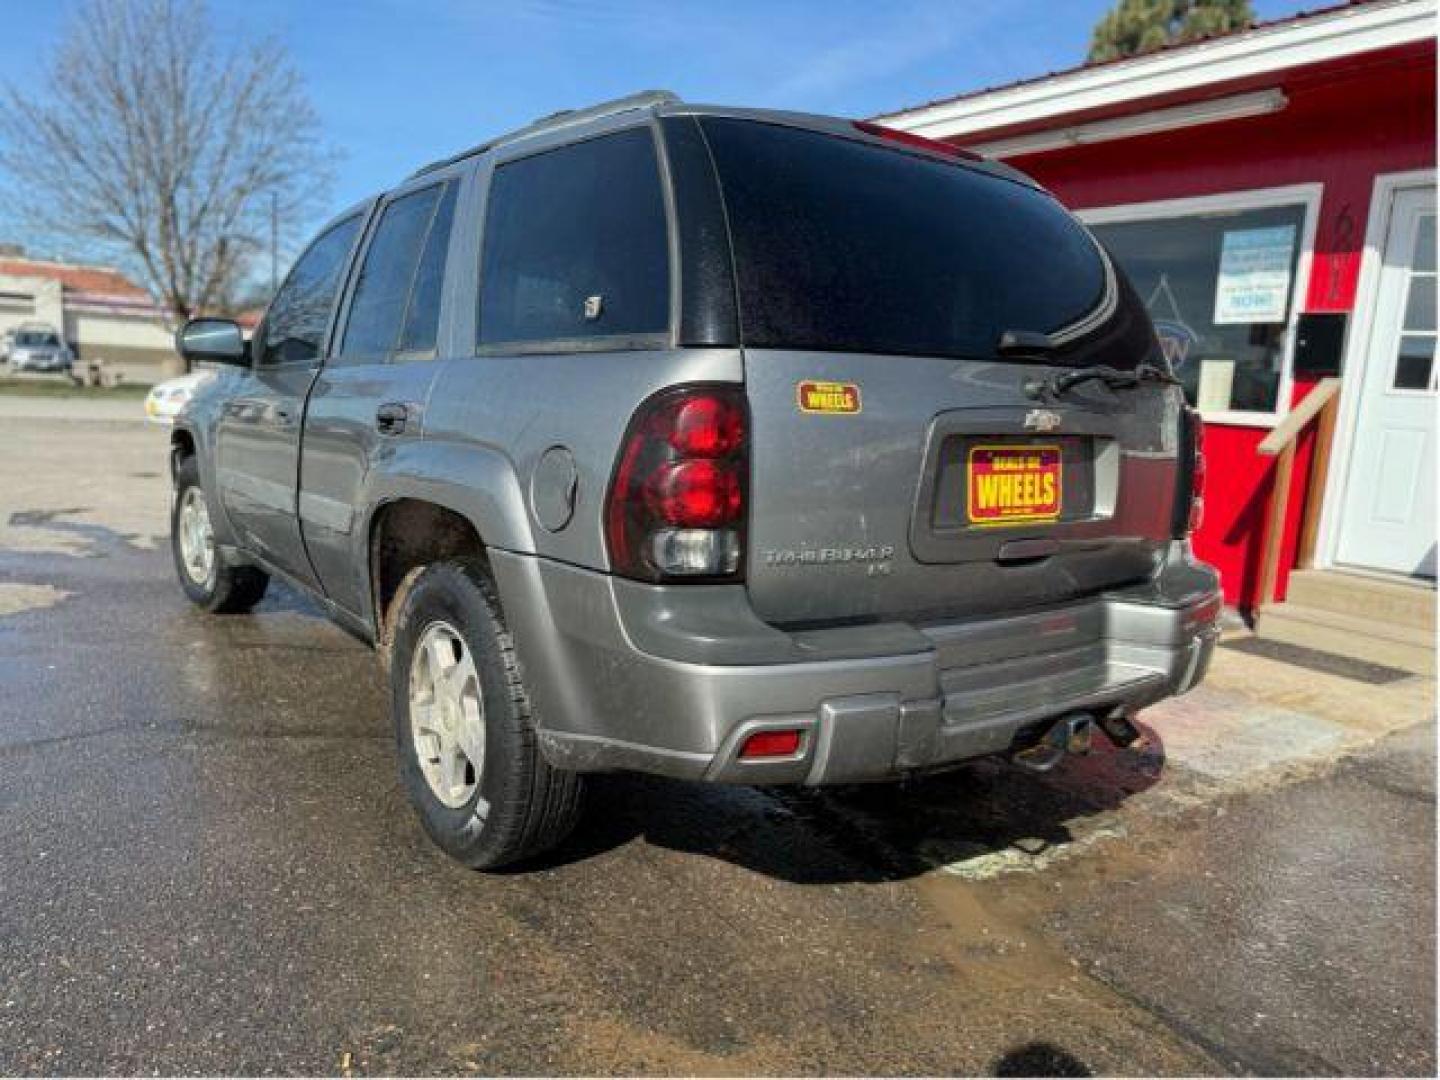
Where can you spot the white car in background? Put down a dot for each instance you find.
(169, 397)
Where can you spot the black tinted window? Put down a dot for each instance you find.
(422, 318)
(575, 244)
(844, 245)
(296, 321)
(382, 290)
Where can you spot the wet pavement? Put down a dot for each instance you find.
(207, 866)
(1303, 903)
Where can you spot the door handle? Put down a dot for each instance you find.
(390, 418)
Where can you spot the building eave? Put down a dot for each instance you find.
(1260, 51)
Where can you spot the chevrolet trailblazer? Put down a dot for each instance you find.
(730, 445)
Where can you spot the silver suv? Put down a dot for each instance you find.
(736, 446)
(37, 347)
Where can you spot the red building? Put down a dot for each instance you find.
(1271, 194)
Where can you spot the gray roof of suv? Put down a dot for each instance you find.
(564, 118)
(667, 102)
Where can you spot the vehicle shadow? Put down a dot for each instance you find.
(1040, 1059)
(867, 833)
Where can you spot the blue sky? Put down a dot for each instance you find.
(400, 82)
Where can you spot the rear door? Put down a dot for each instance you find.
(905, 465)
(368, 402)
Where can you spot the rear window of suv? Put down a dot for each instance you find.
(848, 246)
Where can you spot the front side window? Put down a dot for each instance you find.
(1218, 286)
(389, 294)
(576, 244)
(297, 319)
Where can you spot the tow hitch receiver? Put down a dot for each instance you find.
(1119, 729)
(1068, 735)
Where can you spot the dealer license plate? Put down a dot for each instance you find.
(1013, 483)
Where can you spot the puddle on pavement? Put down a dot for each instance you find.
(17, 597)
(36, 533)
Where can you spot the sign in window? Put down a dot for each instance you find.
(1219, 288)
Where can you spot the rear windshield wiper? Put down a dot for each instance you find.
(1036, 346)
(1111, 377)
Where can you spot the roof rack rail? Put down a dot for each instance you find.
(563, 118)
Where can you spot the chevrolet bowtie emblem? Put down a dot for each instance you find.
(1042, 420)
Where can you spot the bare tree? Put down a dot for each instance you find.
(153, 145)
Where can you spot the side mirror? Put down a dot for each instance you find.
(216, 341)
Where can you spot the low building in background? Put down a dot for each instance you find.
(1271, 195)
(99, 312)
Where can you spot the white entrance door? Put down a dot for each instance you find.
(1387, 518)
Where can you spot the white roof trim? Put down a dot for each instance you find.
(1209, 111)
(1265, 49)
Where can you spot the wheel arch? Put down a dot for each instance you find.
(433, 499)
(404, 535)
(182, 445)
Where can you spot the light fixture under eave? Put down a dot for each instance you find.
(1175, 118)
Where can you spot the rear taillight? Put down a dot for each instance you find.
(677, 500)
(1190, 483)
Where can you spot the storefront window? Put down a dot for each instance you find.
(1218, 286)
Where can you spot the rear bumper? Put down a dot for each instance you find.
(673, 681)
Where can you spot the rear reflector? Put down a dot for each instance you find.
(765, 744)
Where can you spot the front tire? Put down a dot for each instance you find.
(463, 727)
(210, 581)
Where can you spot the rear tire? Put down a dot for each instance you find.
(457, 694)
(211, 582)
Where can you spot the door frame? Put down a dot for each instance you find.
(1356, 358)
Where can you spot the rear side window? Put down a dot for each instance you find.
(399, 283)
(842, 245)
(298, 317)
(576, 244)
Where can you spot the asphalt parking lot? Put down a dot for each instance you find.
(207, 865)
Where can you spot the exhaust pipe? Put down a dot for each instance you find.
(1068, 735)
